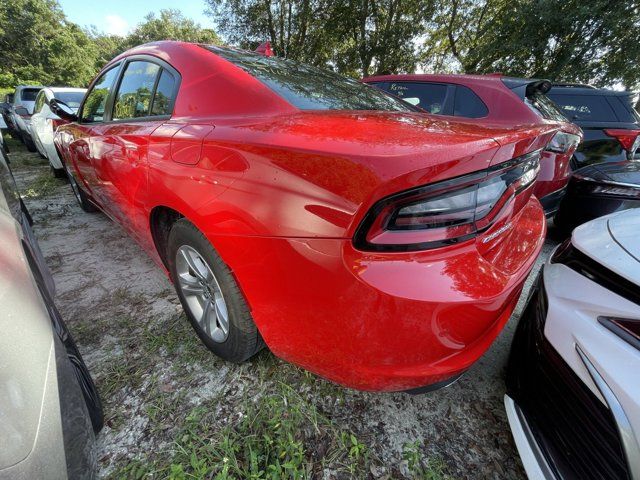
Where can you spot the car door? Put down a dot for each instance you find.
(142, 101)
(91, 115)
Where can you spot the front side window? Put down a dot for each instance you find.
(310, 88)
(135, 93)
(94, 105)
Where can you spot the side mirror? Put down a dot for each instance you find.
(23, 112)
(61, 109)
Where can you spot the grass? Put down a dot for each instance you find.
(43, 185)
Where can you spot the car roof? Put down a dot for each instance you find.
(563, 89)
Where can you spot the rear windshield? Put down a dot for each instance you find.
(73, 99)
(311, 88)
(543, 106)
(588, 108)
(29, 94)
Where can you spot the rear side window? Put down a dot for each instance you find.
(163, 99)
(468, 104)
(135, 91)
(93, 109)
(428, 96)
(588, 108)
(29, 94)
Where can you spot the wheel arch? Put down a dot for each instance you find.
(161, 219)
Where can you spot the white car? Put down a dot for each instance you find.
(44, 122)
(573, 379)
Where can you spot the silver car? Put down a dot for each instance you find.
(44, 122)
(24, 99)
(49, 407)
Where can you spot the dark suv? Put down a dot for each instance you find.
(608, 119)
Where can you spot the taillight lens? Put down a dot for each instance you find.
(629, 139)
(446, 212)
(563, 142)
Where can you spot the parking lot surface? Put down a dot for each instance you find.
(172, 407)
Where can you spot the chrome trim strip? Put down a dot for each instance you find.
(541, 460)
(629, 442)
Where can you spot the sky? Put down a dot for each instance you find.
(118, 17)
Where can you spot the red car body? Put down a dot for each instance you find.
(283, 193)
(506, 103)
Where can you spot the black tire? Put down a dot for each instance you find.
(243, 339)
(82, 198)
(28, 142)
(58, 172)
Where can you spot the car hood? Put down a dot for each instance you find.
(613, 242)
(619, 172)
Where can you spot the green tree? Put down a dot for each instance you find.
(170, 24)
(39, 45)
(355, 37)
(594, 42)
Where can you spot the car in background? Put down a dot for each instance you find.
(50, 408)
(610, 123)
(5, 109)
(44, 122)
(597, 190)
(24, 99)
(573, 395)
(496, 100)
(357, 237)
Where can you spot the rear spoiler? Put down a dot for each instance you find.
(526, 87)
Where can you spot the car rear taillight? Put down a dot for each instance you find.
(629, 139)
(445, 212)
(563, 142)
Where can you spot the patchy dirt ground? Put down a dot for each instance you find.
(174, 410)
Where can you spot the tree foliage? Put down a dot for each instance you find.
(352, 36)
(593, 42)
(572, 40)
(39, 45)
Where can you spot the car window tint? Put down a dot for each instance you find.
(93, 109)
(428, 96)
(72, 99)
(623, 106)
(39, 102)
(468, 104)
(29, 94)
(133, 98)
(545, 107)
(311, 88)
(589, 108)
(163, 99)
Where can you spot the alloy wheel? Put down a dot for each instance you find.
(202, 293)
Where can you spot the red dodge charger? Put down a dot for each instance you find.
(371, 243)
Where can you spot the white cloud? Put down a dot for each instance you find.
(116, 25)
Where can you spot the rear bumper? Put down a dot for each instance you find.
(384, 321)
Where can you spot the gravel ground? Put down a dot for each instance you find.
(153, 374)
